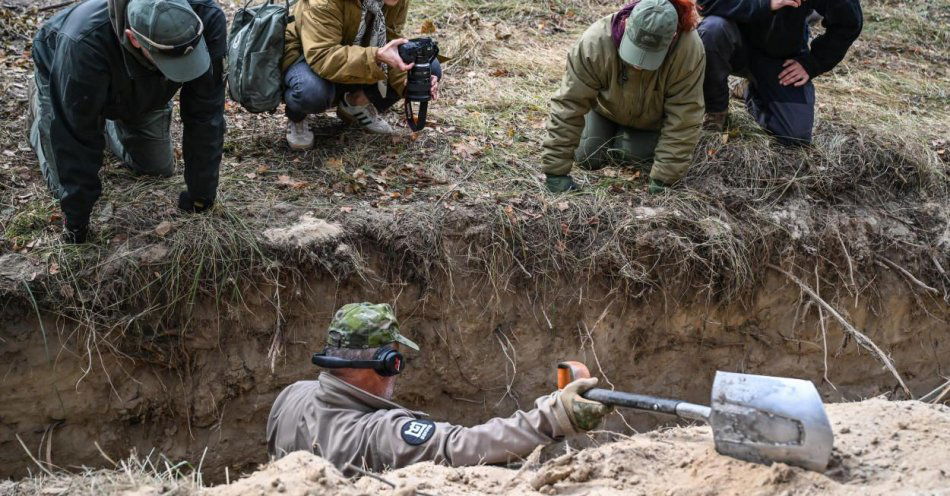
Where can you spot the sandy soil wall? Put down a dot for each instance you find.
(211, 382)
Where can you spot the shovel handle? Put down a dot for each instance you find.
(568, 371)
(646, 403)
(631, 400)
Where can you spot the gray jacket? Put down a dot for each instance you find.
(347, 425)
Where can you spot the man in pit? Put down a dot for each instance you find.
(346, 415)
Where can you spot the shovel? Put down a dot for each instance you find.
(755, 418)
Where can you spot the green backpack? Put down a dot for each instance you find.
(255, 49)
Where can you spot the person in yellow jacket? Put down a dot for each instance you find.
(633, 92)
(345, 52)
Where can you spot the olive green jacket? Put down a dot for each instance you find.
(669, 99)
(323, 33)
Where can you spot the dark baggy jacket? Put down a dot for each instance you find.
(93, 78)
(783, 34)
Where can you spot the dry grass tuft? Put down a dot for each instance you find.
(153, 474)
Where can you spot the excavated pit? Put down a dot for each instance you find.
(73, 396)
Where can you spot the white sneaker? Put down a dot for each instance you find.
(365, 116)
(299, 136)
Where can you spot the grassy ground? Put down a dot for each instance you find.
(875, 185)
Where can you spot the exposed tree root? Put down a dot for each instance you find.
(862, 340)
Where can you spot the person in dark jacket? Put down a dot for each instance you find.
(106, 72)
(766, 42)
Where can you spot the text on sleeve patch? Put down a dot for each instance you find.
(416, 432)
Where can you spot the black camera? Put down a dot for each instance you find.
(421, 52)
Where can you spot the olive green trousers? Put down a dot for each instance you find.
(604, 142)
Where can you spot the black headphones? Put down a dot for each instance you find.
(386, 362)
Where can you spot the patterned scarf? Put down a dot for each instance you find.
(377, 32)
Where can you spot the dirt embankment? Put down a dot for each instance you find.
(881, 447)
(211, 382)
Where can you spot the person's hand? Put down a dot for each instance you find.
(793, 74)
(75, 234)
(585, 414)
(193, 205)
(389, 55)
(656, 186)
(560, 184)
(778, 4)
(435, 87)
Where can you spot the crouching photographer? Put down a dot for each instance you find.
(350, 54)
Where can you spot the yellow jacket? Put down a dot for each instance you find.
(322, 32)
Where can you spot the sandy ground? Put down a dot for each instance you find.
(881, 447)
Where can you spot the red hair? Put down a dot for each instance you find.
(688, 17)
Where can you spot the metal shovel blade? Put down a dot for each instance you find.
(766, 419)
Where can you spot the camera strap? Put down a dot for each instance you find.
(416, 123)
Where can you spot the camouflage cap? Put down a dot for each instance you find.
(365, 325)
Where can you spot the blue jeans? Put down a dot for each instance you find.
(307, 93)
(788, 112)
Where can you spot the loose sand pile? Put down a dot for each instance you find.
(881, 447)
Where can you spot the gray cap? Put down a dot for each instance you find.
(650, 29)
(172, 34)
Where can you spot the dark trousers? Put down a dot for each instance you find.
(307, 93)
(143, 144)
(604, 142)
(788, 112)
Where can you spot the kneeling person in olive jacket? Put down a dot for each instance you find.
(346, 415)
(106, 73)
(632, 93)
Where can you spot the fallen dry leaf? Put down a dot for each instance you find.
(465, 150)
(163, 228)
(335, 163)
(285, 180)
(428, 27)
